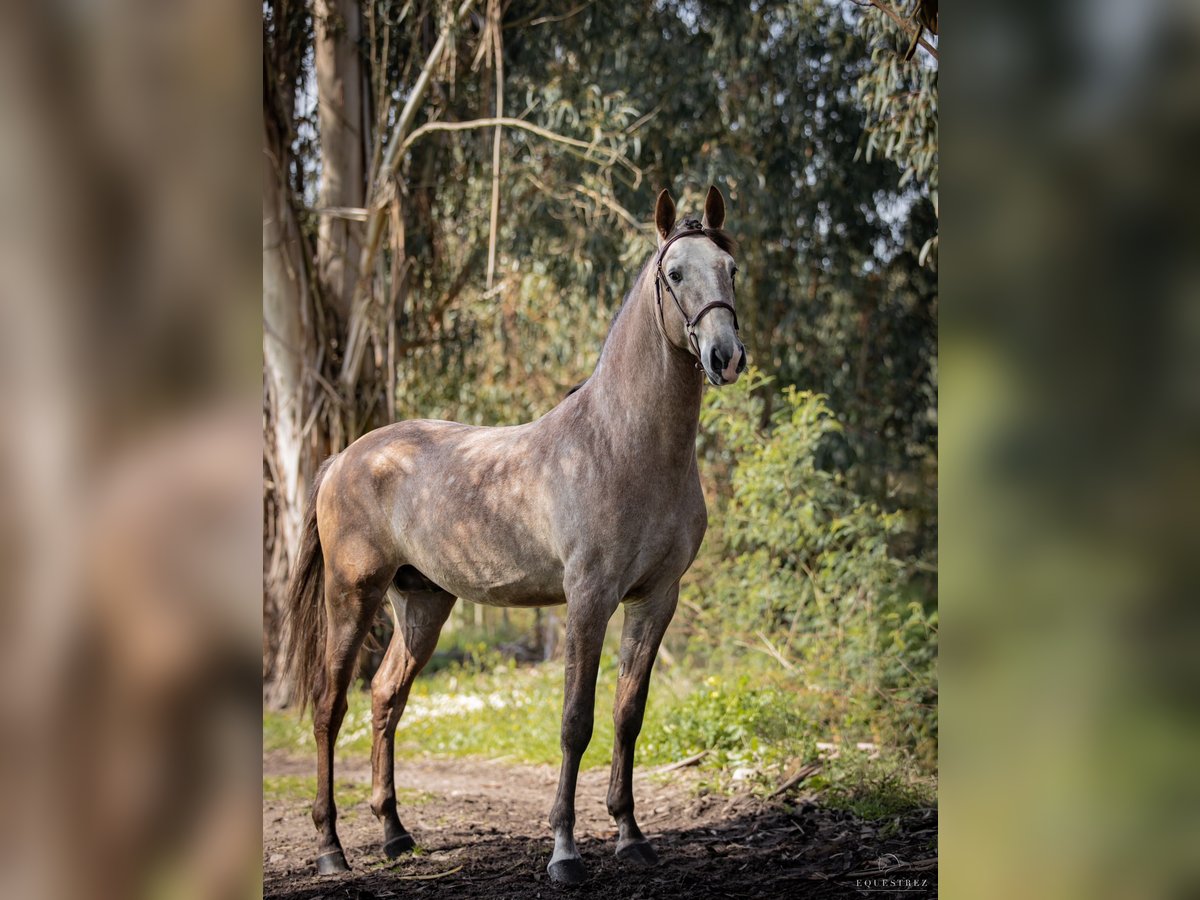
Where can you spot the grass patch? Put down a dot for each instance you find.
(304, 787)
(284, 730)
(757, 726)
(874, 788)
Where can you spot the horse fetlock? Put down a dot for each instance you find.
(620, 807)
(627, 830)
(638, 853)
(383, 805)
(632, 846)
(398, 845)
(324, 815)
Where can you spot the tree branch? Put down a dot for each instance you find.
(520, 125)
(358, 326)
(498, 64)
(895, 17)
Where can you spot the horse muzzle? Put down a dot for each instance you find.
(723, 365)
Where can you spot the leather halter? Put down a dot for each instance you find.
(691, 228)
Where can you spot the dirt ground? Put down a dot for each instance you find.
(483, 833)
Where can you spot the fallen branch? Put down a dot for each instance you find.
(683, 763)
(796, 777)
(429, 877)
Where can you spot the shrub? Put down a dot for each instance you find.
(799, 566)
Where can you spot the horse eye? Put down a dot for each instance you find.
(675, 276)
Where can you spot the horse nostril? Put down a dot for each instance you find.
(716, 362)
(742, 361)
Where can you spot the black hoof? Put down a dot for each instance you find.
(567, 871)
(332, 863)
(400, 845)
(639, 853)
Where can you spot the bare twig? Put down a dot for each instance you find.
(775, 653)
(617, 208)
(769, 649)
(545, 20)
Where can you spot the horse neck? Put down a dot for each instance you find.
(645, 389)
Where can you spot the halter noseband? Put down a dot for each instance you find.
(691, 228)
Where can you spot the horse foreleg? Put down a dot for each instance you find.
(645, 622)
(420, 616)
(587, 616)
(350, 608)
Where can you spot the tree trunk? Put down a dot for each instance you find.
(338, 58)
(290, 459)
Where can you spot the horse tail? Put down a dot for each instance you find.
(305, 607)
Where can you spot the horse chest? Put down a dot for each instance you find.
(654, 532)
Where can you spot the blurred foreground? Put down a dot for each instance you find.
(1070, 340)
(131, 520)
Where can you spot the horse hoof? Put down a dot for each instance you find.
(400, 845)
(567, 871)
(332, 863)
(639, 853)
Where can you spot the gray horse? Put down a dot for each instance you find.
(595, 504)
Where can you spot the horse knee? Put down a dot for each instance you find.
(576, 730)
(627, 725)
(383, 701)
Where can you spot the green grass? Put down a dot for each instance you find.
(304, 788)
(756, 724)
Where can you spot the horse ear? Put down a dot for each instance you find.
(664, 215)
(714, 208)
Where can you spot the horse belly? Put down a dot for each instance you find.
(497, 567)
(499, 585)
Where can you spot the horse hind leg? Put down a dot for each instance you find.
(352, 598)
(419, 617)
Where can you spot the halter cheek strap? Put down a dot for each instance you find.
(691, 228)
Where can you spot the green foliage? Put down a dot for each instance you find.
(738, 720)
(900, 99)
(801, 567)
